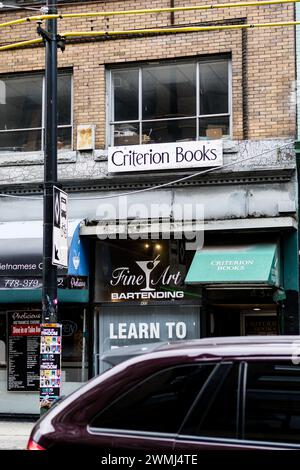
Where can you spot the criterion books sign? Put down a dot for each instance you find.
(177, 155)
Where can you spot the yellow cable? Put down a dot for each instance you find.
(21, 44)
(147, 11)
(186, 29)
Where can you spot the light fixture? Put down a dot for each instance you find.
(147, 245)
(158, 246)
(257, 309)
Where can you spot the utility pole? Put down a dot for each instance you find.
(50, 358)
(49, 291)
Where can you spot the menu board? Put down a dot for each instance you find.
(50, 374)
(23, 332)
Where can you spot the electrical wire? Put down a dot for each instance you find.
(185, 29)
(184, 178)
(148, 11)
(18, 7)
(159, 186)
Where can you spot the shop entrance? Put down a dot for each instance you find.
(239, 320)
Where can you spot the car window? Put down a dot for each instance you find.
(159, 403)
(215, 413)
(272, 402)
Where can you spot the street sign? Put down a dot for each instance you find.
(60, 228)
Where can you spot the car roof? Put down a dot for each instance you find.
(232, 340)
(228, 346)
(236, 346)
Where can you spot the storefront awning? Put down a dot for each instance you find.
(21, 251)
(236, 264)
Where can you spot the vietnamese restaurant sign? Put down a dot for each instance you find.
(168, 156)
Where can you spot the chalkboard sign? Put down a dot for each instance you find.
(23, 333)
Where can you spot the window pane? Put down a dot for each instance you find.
(169, 91)
(126, 134)
(214, 128)
(21, 102)
(160, 403)
(21, 141)
(175, 130)
(64, 99)
(216, 413)
(74, 369)
(272, 411)
(64, 138)
(214, 88)
(125, 86)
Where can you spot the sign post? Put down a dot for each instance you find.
(53, 224)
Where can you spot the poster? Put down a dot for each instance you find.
(50, 369)
(23, 332)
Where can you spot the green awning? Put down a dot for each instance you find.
(235, 264)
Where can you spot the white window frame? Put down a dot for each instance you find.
(110, 122)
(42, 128)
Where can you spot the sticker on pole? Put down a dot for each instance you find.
(50, 364)
(60, 228)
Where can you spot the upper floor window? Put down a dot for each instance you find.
(169, 103)
(22, 103)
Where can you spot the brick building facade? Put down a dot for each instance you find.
(249, 204)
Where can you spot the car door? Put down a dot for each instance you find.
(149, 415)
(270, 411)
(251, 405)
(213, 421)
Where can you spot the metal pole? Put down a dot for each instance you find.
(50, 329)
(49, 291)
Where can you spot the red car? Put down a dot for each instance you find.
(213, 393)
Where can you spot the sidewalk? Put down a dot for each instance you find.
(14, 434)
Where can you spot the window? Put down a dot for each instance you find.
(215, 414)
(272, 408)
(169, 103)
(159, 403)
(22, 101)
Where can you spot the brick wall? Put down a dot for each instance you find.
(263, 60)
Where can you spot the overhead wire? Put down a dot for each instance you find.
(62, 16)
(132, 32)
(18, 7)
(162, 185)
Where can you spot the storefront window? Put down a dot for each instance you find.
(141, 299)
(74, 345)
(170, 102)
(122, 325)
(19, 356)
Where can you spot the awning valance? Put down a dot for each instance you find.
(236, 264)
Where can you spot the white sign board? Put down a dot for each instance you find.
(60, 228)
(175, 155)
